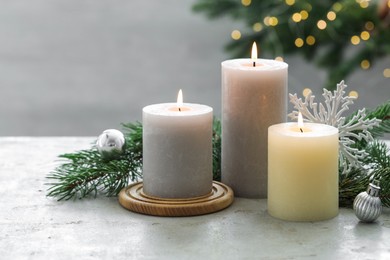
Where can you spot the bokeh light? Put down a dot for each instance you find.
(331, 16)
(279, 58)
(246, 2)
(363, 3)
(306, 92)
(353, 94)
(310, 40)
(369, 26)
(236, 35)
(386, 73)
(298, 42)
(296, 17)
(257, 27)
(290, 2)
(365, 35)
(321, 24)
(304, 14)
(273, 21)
(337, 7)
(355, 40)
(365, 64)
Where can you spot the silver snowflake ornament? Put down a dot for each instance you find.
(331, 113)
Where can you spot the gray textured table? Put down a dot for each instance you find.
(35, 227)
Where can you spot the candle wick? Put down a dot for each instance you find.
(301, 130)
(179, 109)
(254, 64)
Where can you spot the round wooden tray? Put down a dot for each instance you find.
(133, 198)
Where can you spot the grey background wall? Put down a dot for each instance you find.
(78, 67)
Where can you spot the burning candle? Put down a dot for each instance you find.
(302, 171)
(254, 96)
(177, 149)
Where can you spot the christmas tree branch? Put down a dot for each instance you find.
(282, 28)
(217, 150)
(377, 167)
(352, 184)
(86, 172)
(382, 112)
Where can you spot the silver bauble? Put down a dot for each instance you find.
(111, 144)
(367, 205)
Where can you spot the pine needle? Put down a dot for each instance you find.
(85, 172)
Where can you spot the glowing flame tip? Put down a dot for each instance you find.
(254, 52)
(180, 99)
(300, 120)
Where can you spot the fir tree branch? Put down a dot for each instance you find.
(352, 184)
(217, 150)
(86, 172)
(378, 155)
(383, 176)
(377, 167)
(382, 112)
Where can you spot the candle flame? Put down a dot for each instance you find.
(254, 54)
(179, 99)
(300, 121)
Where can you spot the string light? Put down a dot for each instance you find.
(369, 26)
(353, 94)
(365, 64)
(299, 42)
(236, 35)
(246, 2)
(310, 40)
(365, 35)
(290, 2)
(321, 24)
(279, 58)
(363, 3)
(266, 20)
(257, 27)
(331, 16)
(337, 7)
(273, 21)
(355, 40)
(304, 14)
(386, 73)
(296, 17)
(306, 92)
(308, 7)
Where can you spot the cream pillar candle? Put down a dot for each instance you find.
(253, 98)
(303, 172)
(177, 150)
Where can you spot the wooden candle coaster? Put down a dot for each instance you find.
(133, 198)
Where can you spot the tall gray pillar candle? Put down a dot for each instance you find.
(253, 98)
(177, 150)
